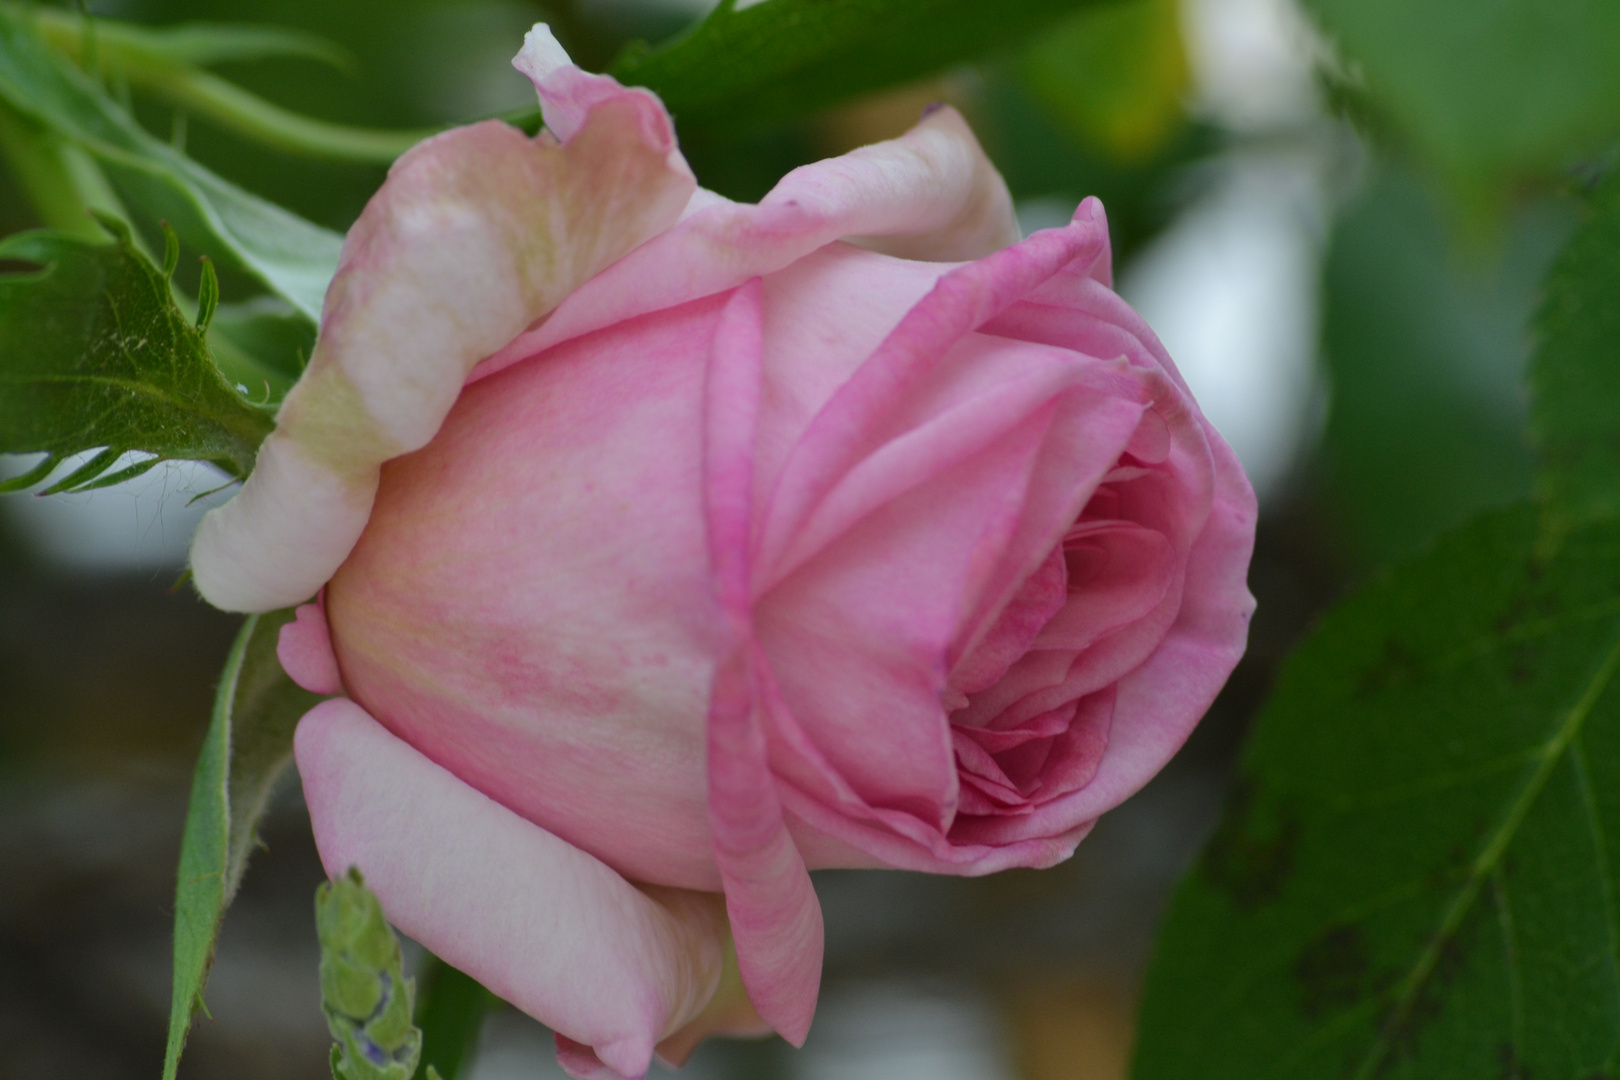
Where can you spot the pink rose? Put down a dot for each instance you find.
(673, 547)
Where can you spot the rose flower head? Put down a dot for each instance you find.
(667, 548)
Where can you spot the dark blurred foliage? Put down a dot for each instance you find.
(105, 683)
(1426, 336)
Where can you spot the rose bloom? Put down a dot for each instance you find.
(668, 548)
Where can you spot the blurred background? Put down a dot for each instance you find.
(1356, 330)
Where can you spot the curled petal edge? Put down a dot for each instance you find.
(932, 193)
(476, 234)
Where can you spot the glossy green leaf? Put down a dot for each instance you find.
(249, 745)
(1416, 878)
(1486, 92)
(784, 58)
(293, 257)
(1576, 371)
(95, 355)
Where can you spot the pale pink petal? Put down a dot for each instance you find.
(1041, 596)
(304, 648)
(932, 190)
(852, 424)
(532, 605)
(956, 205)
(775, 917)
(475, 234)
(541, 923)
(568, 93)
(729, 1013)
(808, 355)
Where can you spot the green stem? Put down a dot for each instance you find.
(228, 105)
(144, 59)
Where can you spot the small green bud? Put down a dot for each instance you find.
(367, 999)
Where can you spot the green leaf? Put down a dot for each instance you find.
(1486, 92)
(368, 1001)
(1426, 350)
(784, 58)
(58, 177)
(450, 1010)
(293, 257)
(249, 744)
(97, 355)
(1416, 877)
(1115, 76)
(1575, 372)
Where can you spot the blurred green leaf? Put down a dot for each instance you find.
(1415, 879)
(61, 181)
(1486, 92)
(249, 745)
(97, 356)
(1425, 346)
(1116, 76)
(1576, 372)
(450, 1009)
(189, 43)
(1049, 169)
(262, 345)
(164, 61)
(293, 257)
(780, 59)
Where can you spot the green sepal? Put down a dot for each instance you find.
(248, 748)
(96, 355)
(207, 295)
(171, 250)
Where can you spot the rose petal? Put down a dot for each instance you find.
(1160, 702)
(852, 424)
(541, 923)
(304, 648)
(775, 917)
(475, 234)
(930, 190)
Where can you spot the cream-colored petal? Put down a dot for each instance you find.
(959, 207)
(931, 194)
(476, 234)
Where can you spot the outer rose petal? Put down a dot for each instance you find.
(476, 233)
(775, 916)
(931, 193)
(304, 648)
(541, 923)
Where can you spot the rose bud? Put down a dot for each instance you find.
(669, 548)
